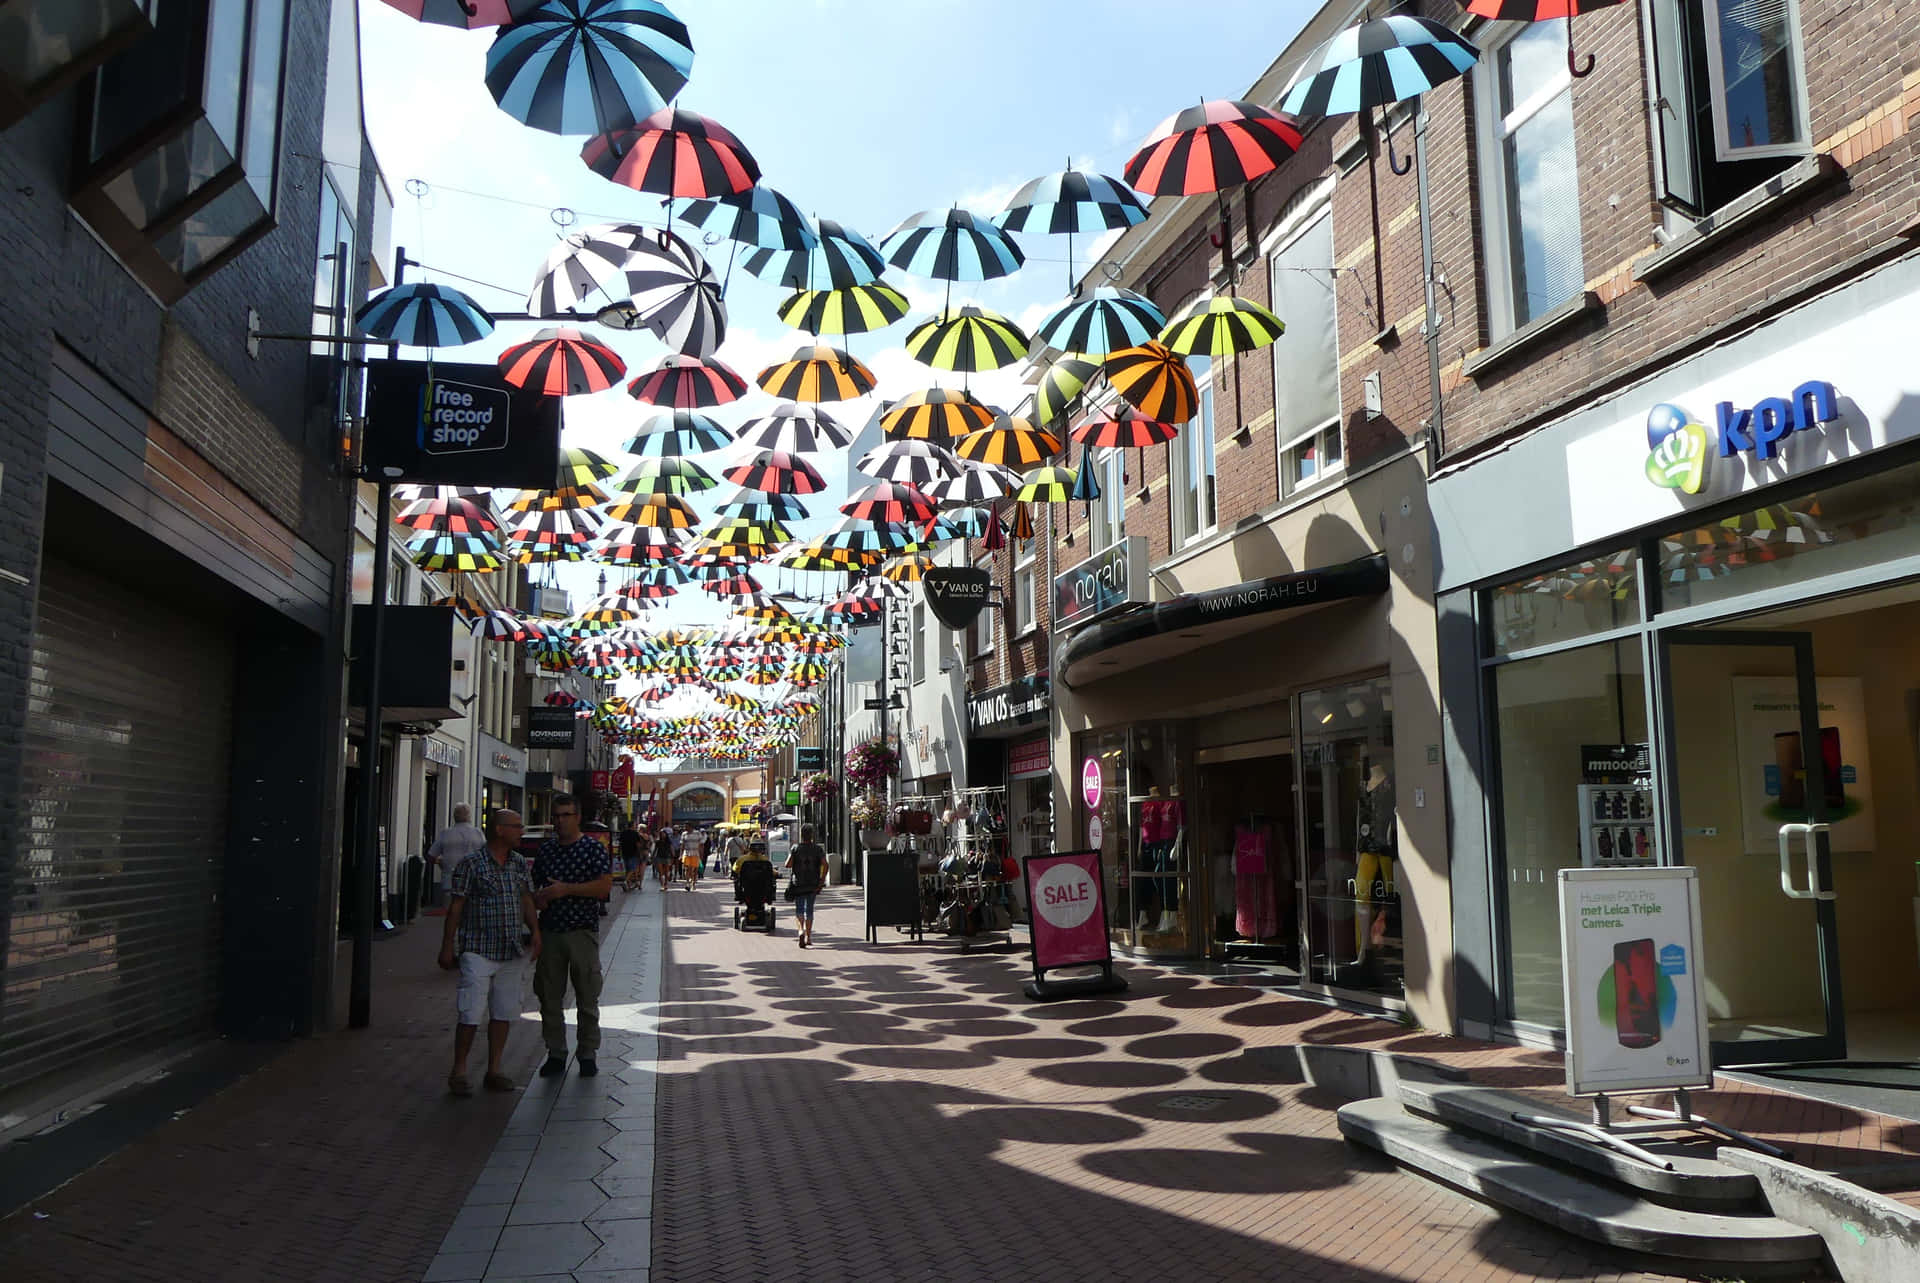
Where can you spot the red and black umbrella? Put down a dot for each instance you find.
(562, 362)
(889, 501)
(1212, 146)
(776, 472)
(688, 383)
(1533, 11)
(448, 516)
(1129, 428)
(674, 153)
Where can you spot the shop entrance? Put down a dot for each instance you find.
(1246, 828)
(1752, 807)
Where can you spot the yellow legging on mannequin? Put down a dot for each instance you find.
(1373, 865)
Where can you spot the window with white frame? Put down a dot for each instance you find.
(1306, 362)
(918, 644)
(1108, 513)
(1026, 613)
(980, 631)
(1729, 97)
(1530, 181)
(1191, 477)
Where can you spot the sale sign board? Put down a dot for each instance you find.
(1067, 900)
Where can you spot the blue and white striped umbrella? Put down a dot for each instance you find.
(842, 259)
(589, 66)
(1109, 319)
(760, 217)
(1071, 201)
(952, 246)
(1376, 63)
(670, 436)
(420, 314)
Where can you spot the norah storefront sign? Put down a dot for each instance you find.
(1101, 584)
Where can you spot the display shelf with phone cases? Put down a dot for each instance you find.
(1617, 827)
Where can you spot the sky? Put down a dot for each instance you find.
(864, 111)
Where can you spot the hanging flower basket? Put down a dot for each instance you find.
(871, 763)
(819, 787)
(868, 812)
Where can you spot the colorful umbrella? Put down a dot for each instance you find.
(688, 383)
(1155, 378)
(465, 607)
(1129, 428)
(1021, 527)
(1086, 488)
(1008, 442)
(582, 264)
(760, 217)
(776, 472)
(471, 14)
(817, 373)
(583, 467)
(1537, 11)
(668, 436)
(1106, 321)
(678, 296)
(661, 511)
(1063, 382)
(1070, 202)
(1212, 146)
(1221, 324)
(452, 516)
(795, 429)
(470, 553)
(843, 259)
(976, 483)
(589, 66)
(888, 501)
(559, 499)
(937, 414)
(671, 475)
(561, 362)
(1376, 63)
(673, 153)
(952, 246)
(1051, 484)
(968, 339)
(755, 505)
(421, 314)
(858, 309)
(915, 462)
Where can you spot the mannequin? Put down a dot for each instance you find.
(1374, 839)
(1163, 829)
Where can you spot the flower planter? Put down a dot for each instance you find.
(873, 839)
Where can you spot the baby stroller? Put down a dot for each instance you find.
(753, 888)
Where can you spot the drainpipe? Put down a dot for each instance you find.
(1432, 326)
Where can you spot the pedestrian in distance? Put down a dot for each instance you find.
(572, 875)
(456, 842)
(662, 856)
(690, 857)
(493, 902)
(807, 865)
(735, 849)
(630, 852)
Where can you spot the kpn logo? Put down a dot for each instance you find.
(462, 418)
(1679, 449)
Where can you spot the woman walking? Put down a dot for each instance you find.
(807, 862)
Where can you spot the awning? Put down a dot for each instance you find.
(1193, 620)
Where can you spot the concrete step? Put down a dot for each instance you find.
(1698, 1180)
(1578, 1204)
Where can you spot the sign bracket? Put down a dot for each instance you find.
(1603, 1131)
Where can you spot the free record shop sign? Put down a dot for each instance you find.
(452, 424)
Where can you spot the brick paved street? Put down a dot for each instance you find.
(886, 1112)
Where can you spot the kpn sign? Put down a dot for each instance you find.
(452, 424)
(1681, 450)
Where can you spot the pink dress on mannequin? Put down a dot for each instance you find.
(1255, 916)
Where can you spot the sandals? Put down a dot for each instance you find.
(457, 1085)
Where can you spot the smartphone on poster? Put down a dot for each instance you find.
(1636, 1002)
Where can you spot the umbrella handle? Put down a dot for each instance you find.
(1575, 68)
(1393, 160)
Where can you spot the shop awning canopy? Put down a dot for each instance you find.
(1193, 620)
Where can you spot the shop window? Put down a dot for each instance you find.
(46, 44)
(1193, 487)
(1026, 615)
(918, 644)
(980, 631)
(182, 141)
(1306, 365)
(1548, 710)
(1349, 820)
(1730, 100)
(336, 230)
(1565, 604)
(1857, 524)
(1108, 513)
(1530, 182)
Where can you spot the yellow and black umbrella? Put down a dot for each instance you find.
(1008, 442)
(858, 309)
(937, 414)
(1220, 325)
(817, 373)
(584, 467)
(1156, 379)
(967, 339)
(908, 569)
(1052, 484)
(1022, 525)
(564, 499)
(1064, 380)
(659, 511)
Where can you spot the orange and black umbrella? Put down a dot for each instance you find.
(937, 414)
(1008, 442)
(1156, 379)
(817, 373)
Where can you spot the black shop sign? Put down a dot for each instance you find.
(457, 424)
(1006, 708)
(551, 727)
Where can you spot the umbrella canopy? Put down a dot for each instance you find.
(559, 527)
(589, 66)
(1105, 321)
(466, 607)
(450, 515)
(915, 462)
(1052, 484)
(969, 339)
(953, 246)
(817, 373)
(1539, 11)
(776, 472)
(582, 264)
(1087, 488)
(678, 296)
(421, 314)
(1064, 380)
(906, 570)
(623, 543)
(1220, 325)
(471, 553)
(1155, 378)
(471, 14)
(1376, 63)
(1073, 200)
(665, 476)
(561, 362)
(795, 429)
(888, 501)
(843, 258)
(674, 153)
(1009, 443)
(1211, 147)
(660, 511)
(559, 499)
(669, 436)
(1021, 526)
(683, 382)
(1128, 428)
(976, 483)
(583, 467)
(970, 522)
(755, 505)
(760, 217)
(858, 309)
(937, 414)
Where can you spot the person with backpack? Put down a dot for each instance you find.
(807, 863)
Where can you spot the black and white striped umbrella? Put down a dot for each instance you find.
(678, 297)
(795, 429)
(918, 462)
(583, 264)
(974, 484)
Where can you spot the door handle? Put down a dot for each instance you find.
(1812, 891)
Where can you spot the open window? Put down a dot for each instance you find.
(1729, 98)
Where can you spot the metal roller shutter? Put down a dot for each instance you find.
(114, 933)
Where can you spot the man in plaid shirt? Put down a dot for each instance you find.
(492, 903)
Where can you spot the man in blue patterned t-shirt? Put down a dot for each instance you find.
(571, 876)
